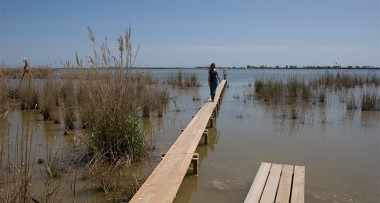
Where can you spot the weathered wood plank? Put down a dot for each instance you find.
(270, 189)
(282, 183)
(285, 187)
(258, 184)
(163, 184)
(298, 191)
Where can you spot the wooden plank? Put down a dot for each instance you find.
(285, 187)
(270, 189)
(163, 184)
(298, 191)
(258, 184)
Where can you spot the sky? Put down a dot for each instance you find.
(194, 33)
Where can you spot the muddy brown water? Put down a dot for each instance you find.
(340, 148)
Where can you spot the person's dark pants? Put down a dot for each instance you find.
(213, 87)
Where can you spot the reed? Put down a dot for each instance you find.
(120, 42)
(12, 73)
(95, 59)
(270, 91)
(48, 98)
(370, 102)
(183, 80)
(29, 98)
(259, 86)
(351, 102)
(345, 80)
(373, 79)
(4, 97)
(110, 106)
(117, 134)
(293, 87)
(306, 92)
(108, 103)
(322, 96)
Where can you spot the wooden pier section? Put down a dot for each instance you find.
(278, 183)
(163, 183)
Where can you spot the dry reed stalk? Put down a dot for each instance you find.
(106, 54)
(351, 102)
(128, 47)
(370, 102)
(93, 60)
(322, 96)
(79, 61)
(48, 98)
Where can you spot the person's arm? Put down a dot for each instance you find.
(217, 75)
(208, 78)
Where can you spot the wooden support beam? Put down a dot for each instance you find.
(195, 163)
(205, 135)
(214, 113)
(210, 123)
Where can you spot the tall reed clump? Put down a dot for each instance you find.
(4, 97)
(68, 94)
(370, 102)
(29, 96)
(49, 98)
(351, 102)
(322, 95)
(108, 111)
(259, 86)
(288, 94)
(269, 90)
(117, 134)
(344, 80)
(182, 80)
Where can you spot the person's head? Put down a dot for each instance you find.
(212, 66)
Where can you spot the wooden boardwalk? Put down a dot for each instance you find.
(278, 183)
(163, 183)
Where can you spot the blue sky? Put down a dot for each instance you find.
(195, 33)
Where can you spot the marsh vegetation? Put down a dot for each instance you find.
(100, 109)
(71, 135)
(297, 91)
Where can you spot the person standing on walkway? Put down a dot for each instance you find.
(213, 80)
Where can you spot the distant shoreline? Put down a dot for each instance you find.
(239, 68)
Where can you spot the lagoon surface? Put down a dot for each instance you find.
(340, 148)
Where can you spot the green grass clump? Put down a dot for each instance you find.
(117, 134)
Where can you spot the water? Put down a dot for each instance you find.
(340, 148)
